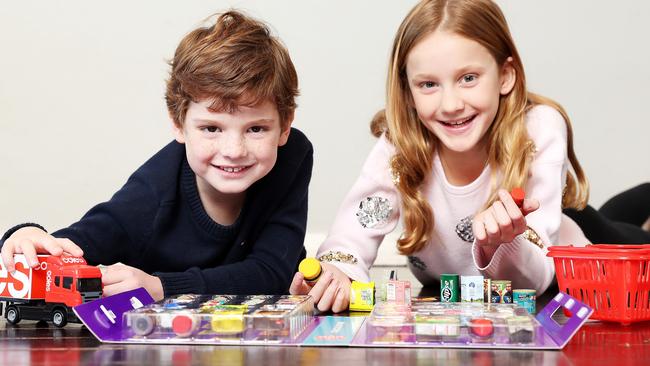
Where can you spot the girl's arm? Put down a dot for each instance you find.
(522, 260)
(369, 212)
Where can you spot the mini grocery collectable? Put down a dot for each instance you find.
(133, 317)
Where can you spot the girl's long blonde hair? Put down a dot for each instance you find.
(510, 149)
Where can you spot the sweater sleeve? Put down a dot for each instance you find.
(272, 262)
(369, 212)
(116, 230)
(522, 261)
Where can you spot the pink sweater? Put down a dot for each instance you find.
(520, 261)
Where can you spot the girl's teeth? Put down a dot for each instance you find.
(459, 122)
(233, 170)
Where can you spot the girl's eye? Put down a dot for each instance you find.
(427, 84)
(256, 129)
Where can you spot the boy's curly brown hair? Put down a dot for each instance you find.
(235, 62)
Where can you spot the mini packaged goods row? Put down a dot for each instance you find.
(221, 317)
(431, 322)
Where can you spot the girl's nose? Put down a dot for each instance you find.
(451, 102)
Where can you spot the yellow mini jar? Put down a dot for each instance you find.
(228, 320)
(310, 269)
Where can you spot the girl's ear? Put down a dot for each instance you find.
(508, 77)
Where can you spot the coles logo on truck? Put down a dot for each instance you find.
(18, 284)
(73, 260)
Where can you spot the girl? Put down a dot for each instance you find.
(460, 129)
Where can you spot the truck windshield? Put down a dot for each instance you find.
(89, 284)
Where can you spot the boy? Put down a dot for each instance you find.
(223, 209)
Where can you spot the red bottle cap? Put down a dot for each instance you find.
(518, 195)
(183, 325)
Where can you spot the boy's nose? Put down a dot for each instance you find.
(233, 147)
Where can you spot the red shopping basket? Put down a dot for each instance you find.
(613, 279)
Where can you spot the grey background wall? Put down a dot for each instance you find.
(81, 91)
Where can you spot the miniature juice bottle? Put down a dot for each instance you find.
(310, 269)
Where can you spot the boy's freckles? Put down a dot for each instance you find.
(229, 151)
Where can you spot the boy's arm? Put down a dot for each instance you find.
(115, 230)
(270, 266)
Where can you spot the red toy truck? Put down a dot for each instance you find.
(49, 291)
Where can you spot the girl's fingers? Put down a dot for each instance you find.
(506, 226)
(298, 285)
(530, 205)
(325, 302)
(510, 206)
(319, 288)
(478, 228)
(342, 300)
(492, 229)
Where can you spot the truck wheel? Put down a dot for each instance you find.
(59, 318)
(12, 315)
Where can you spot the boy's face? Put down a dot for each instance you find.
(229, 152)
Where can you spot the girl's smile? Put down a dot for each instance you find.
(458, 126)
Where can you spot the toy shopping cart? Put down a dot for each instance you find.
(613, 279)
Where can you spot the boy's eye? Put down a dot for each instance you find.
(469, 78)
(256, 129)
(211, 129)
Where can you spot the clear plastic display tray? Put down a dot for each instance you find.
(224, 318)
(457, 323)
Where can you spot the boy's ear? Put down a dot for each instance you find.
(177, 130)
(284, 135)
(508, 77)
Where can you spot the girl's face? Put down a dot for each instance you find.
(456, 84)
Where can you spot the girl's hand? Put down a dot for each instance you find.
(118, 278)
(503, 221)
(331, 292)
(31, 240)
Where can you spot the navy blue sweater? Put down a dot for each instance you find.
(156, 222)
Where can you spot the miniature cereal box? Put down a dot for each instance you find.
(471, 288)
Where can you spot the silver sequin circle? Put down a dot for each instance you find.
(374, 211)
(464, 229)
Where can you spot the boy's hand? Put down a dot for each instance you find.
(118, 278)
(503, 221)
(331, 292)
(32, 240)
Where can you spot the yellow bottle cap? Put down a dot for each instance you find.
(310, 268)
